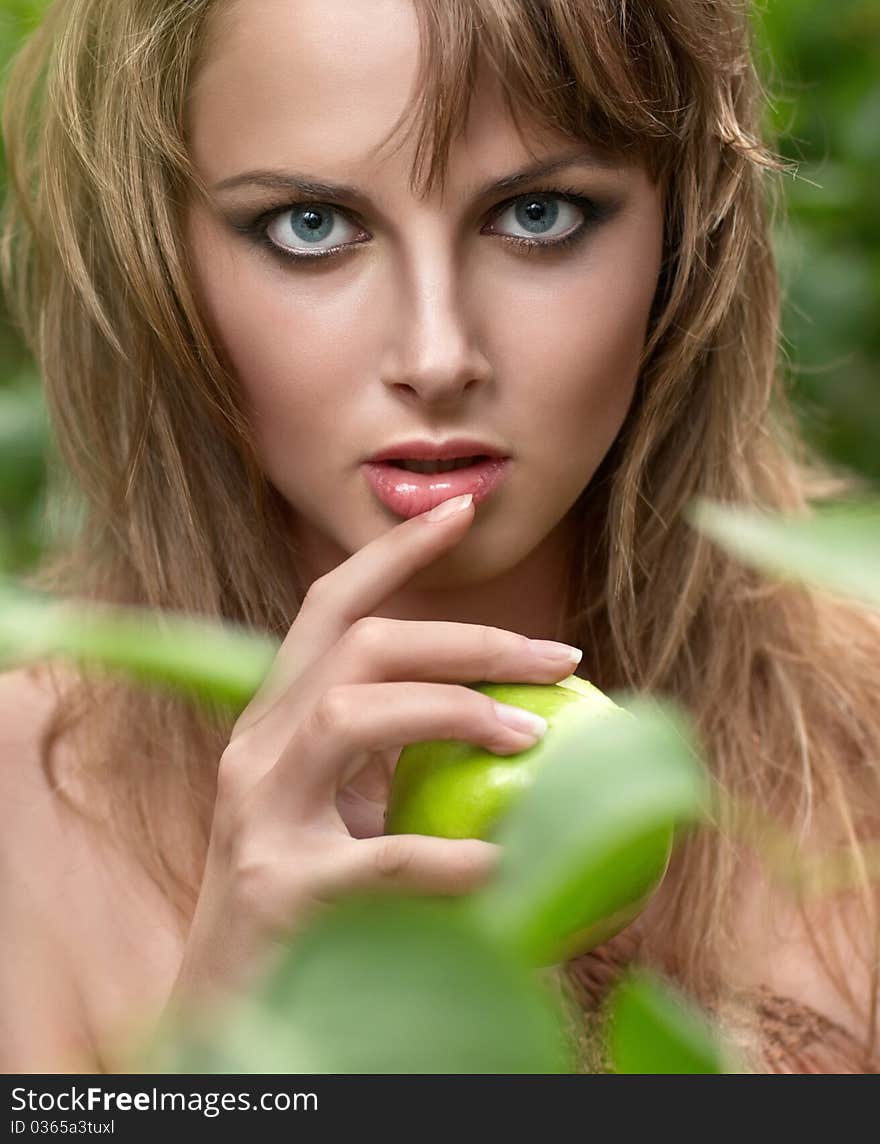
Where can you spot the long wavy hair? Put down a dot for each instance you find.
(155, 460)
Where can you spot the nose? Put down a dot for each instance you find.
(433, 350)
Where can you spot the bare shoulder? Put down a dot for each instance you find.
(43, 1020)
(812, 976)
(86, 938)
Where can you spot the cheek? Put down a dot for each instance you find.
(575, 340)
(293, 346)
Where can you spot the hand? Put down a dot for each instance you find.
(304, 779)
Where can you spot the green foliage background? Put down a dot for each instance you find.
(820, 60)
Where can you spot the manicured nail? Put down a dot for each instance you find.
(449, 507)
(558, 652)
(520, 720)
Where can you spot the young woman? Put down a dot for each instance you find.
(253, 246)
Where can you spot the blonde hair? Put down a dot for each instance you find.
(782, 682)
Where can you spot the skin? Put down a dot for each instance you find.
(432, 327)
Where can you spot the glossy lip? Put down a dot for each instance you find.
(409, 494)
(425, 450)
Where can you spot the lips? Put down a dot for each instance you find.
(409, 494)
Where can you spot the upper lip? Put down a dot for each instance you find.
(422, 450)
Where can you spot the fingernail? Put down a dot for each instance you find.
(560, 652)
(449, 507)
(520, 720)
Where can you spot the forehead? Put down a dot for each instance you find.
(320, 85)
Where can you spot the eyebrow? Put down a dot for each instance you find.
(318, 188)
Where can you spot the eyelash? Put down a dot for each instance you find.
(595, 213)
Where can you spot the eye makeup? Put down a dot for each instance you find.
(594, 213)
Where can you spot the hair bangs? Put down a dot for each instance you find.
(596, 73)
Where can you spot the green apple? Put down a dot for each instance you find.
(454, 789)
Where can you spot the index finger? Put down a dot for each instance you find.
(358, 586)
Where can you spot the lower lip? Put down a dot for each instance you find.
(409, 494)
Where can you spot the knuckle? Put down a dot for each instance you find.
(393, 857)
(228, 775)
(229, 842)
(518, 642)
(257, 892)
(367, 636)
(252, 873)
(333, 712)
(317, 591)
(486, 636)
(493, 650)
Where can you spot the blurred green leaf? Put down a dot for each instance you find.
(210, 659)
(576, 846)
(837, 548)
(653, 1028)
(17, 19)
(387, 984)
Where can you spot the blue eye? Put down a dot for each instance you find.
(549, 220)
(540, 215)
(311, 224)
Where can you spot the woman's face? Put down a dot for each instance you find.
(429, 320)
